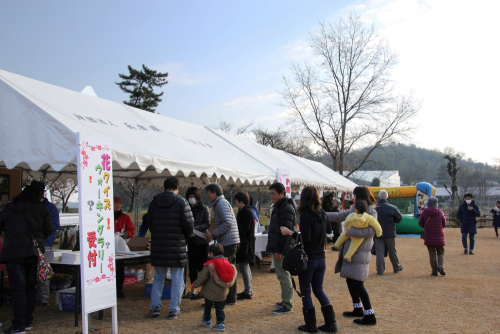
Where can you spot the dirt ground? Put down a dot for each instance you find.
(465, 300)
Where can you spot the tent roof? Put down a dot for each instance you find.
(39, 123)
(302, 171)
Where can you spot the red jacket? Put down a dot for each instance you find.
(223, 268)
(124, 221)
(434, 222)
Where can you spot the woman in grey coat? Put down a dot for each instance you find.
(356, 271)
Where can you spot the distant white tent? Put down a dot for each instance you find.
(39, 123)
(89, 91)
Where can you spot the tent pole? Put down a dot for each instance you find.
(136, 211)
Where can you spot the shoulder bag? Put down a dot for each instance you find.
(422, 235)
(44, 270)
(295, 261)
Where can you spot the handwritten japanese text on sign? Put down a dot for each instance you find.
(283, 176)
(95, 185)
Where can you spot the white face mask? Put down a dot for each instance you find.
(192, 201)
(468, 201)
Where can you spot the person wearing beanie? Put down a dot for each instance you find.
(433, 222)
(388, 217)
(124, 226)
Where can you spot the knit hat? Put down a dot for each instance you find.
(40, 185)
(432, 202)
(117, 199)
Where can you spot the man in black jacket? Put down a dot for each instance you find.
(283, 215)
(170, 221)
(388, 217)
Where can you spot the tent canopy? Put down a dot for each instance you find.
(39, 123)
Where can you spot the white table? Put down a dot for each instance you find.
(260, 246)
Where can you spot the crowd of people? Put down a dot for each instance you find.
(179, 228)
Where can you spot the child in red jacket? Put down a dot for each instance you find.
(217, 276)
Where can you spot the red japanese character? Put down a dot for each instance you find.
(92, 258)
(288, 189)
(287, 182)
(91, 238)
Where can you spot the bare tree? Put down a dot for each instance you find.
(346, 101)
(146, 195)
(282, 139)
(226, 127)
(61, 190)
(131, 189)
(266, 137)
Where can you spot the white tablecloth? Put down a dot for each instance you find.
(260, 244)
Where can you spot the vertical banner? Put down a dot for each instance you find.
(95, 206)
(283, 176)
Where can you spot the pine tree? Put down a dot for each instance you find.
(140, 85)
(375, 182)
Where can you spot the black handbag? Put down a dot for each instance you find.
(295, 260)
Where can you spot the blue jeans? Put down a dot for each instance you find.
(22, 279)
(313, 277)
(472, 239)
(177, 274)
(219, 311)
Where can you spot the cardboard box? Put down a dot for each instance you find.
(138, 244)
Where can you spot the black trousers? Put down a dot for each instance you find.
(358, 292)
(197, 256)
(22, 280)
(120, 278)
(230, 252)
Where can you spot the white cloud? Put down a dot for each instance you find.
(178, 75)
(275, 116)
(246, 101)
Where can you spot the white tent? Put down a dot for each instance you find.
(39, 123)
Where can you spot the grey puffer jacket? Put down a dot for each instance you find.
(226, 228)
(359, 267)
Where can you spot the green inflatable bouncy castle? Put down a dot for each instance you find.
(411, 201)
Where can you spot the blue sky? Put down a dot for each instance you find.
(225, 58)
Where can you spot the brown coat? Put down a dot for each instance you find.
(215, 289)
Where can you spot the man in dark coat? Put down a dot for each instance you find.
(283, 214)
(388, 217)
(170, 221)
(467, 213)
